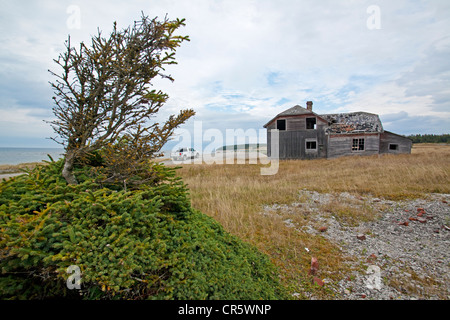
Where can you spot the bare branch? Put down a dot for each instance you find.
(103, 89)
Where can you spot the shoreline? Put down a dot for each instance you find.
(7, 176)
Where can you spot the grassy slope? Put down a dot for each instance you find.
(235, 194)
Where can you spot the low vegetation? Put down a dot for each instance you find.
(144, 243)
(235, 195)
(430, 138)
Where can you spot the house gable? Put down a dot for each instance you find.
(294, 118)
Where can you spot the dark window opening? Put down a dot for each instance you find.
(311, 123)
(358, 145)
(281, 125)
(311, 145)
(393, 147)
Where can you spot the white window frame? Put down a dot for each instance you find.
(311, 150)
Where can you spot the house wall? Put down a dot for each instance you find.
(271, 126)
(341, 145)
(292, 141)
(296, 123)
(292, 144)
(387, 139)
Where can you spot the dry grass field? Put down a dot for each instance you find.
(235, 195)
(7, 168)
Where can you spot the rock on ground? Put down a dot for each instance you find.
(404, 254)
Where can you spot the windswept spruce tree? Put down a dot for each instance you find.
(105, 100)
(145, 242)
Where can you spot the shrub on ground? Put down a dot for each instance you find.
(146, 243)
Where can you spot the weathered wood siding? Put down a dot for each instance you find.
(387, 139)
(297, 123)
(341, 145)
(292, 144)
(272, 126)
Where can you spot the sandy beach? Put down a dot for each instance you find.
(9, 175)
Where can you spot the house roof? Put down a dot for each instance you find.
(294, 111)
(340, 123)
(354, 122)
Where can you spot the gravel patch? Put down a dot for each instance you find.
(404, 254)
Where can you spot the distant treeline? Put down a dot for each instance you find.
(430, 138)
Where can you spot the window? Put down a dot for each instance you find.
(311, 145)
(358, 145)
(393, 147)
(311, 123)
(281, 125)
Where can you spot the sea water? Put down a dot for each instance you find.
(15, 156)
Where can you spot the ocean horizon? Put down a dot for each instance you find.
(14, 156)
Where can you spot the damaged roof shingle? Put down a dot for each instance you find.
(353, 122)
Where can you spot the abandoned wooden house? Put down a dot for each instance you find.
(304, 134)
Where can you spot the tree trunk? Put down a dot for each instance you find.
(67, 171)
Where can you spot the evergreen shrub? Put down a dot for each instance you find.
(145, 243)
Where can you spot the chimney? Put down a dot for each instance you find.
(309, 105)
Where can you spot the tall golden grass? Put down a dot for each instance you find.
(235, 196)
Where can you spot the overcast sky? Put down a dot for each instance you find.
(247, 60)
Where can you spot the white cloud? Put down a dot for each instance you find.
(251, 59)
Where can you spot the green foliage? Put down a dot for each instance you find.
(430, 138)
(147, 243)
(104, 90)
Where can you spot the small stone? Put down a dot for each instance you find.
(314, 266)
(422, 220)
(372, 258)
(318, 281)
(361, 237)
